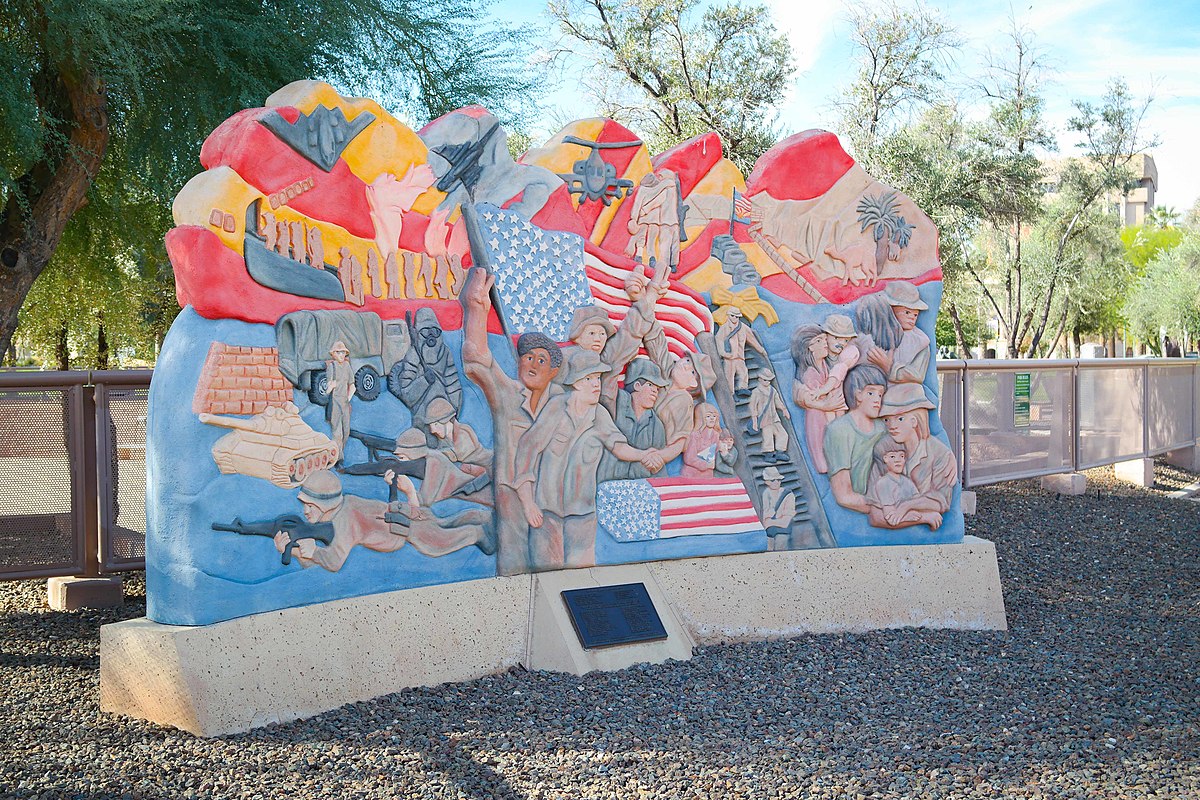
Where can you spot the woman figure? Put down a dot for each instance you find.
(690, 376)
(897, 346)
(929, 464)
(700, 454)
(817, 387)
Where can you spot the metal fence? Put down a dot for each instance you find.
(72, 472)
(1022, 419)
(73, 444)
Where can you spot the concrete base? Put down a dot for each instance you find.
(284, 665)
(72, 594)
(968, 503)
(1071, 483)
(1139, 471)
(1188, 458)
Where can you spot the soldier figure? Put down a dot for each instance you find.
(428, 370)
(457, 440)
(316, 248)
(732, 339)
(778, 509)
(654, 221)
(359, 521)
(637, 419)
(515, 405)
(340, 376)
(765, 407)
(556, 467)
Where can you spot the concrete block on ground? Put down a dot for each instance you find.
(1069, 483)
(1139, 471)
(1186, 458)
(969, 502)
(787, 593)
(72, 594)
(283, 665)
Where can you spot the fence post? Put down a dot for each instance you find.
(1076, 407)
(966, 427)
(88, 470)
(92, 589)
(1145, 410)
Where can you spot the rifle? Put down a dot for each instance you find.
(374, 443)
(413, 469)
(294, 525)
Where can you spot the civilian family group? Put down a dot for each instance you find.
(861, 385)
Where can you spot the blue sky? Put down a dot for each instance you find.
(1154, 46)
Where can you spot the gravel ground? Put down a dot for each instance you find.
(1093, 692)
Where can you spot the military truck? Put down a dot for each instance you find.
(305, 337)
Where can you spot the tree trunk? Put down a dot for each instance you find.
(1076, 344)
(881, 253)
(960, 341)
(101, 343)
(27, 241)
(62, 349)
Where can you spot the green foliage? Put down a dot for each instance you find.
(161, 74)
(902, 53)
(1143, 243)
(973, 328)
(1167, 297)
(672, 76)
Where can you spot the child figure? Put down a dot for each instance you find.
(700, 454)
(726, 456)
(891, 487)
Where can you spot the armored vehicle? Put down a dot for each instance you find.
(276, 445)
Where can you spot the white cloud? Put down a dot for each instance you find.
(807, 26)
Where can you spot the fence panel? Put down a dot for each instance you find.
(1111, 418)
(121, 428)
(950, 410)
(1171, 403)
(41, 487)
(1019, 421)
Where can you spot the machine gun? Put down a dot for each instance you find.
(374, 443)
(294, 525)
(399, 466)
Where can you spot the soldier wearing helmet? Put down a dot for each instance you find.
(359, 521)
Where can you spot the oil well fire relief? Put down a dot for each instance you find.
(405, 359)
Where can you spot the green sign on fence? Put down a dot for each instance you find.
(1021, 400)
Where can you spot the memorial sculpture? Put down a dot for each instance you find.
(413, 360)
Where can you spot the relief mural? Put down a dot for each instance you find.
(411, 360)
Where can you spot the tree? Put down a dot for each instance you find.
(901, 55)
(1143, 243)
(104, 104)
(1162, 217)
(723, 73)
(1167, 297)
(1111, 136)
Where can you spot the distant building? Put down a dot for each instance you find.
(1137, 201)
(1131, 207)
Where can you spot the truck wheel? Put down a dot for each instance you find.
(393, 379)
(318, 391)
(367, 383)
